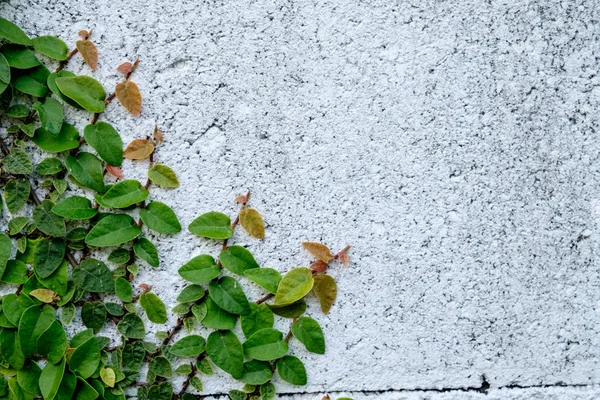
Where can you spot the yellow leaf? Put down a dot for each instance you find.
(108, 376)
(318, 250)
(138, 149)
(325, 289)
(89, 52)
(130, 97)
(252, 222)
(43, 295)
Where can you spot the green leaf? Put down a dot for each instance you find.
(13, 33)
(189, 346)
(51, 46)
(51, 114)
(160, 218)
(86, 358)
(256, 372)
(18, 162)
(125, 194)
(28, 85)
(144, 249)
(67, 313)
(17, 110)
(93, 315)
(236, 395)
(163, 175)
(11, 349)
(106, 141)
(75, 207)
(29, 378)
(227, 293)
(85, 391)
(267, 278)
(84, 90)
(47, 256)
(16, 225)
(237, 260)
(15, 272)
(325, 289)
(52, 342)
(14, 306)
(48, 222)
(5, 250)
(204, 366)
(160, 366)
(16, 193)
(309, 333)
(265, 345)
(67, 139)
(132, 326)
(154, 307)
(87, 170)
(58, 281)
(267, 391)
(50, 379)
(93, 276)
(108, 376)
(213, 225)
(33, 323)
(216, 317)
(190, 294)
(293, 310)
(119, 256)
(112, 230)
(200, 311)
(225, 350)
(123, 290)
(19, 57)
(260, 317)
(5, 74)
(200, 269)
(291, 370)
(49, 166)
(184, 369)
(295, 285)
(51, 82)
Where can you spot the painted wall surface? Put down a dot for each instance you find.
(453, 144)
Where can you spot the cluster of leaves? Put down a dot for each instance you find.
(45, 254)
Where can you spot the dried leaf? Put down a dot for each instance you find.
(326, 397)
(130, 97)
(319, 250)
(138, 149)
(318, 266)
(343, 257)
(252, 222)
(89, 52)
(43, 295)
(125, 68)
(325, 289)
(114, 171)
(84, 34)
(241, 199)
(158, 134)
(145, 287)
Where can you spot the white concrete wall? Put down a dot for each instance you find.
(454, 144)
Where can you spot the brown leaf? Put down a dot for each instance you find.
(43, 295)
(130, 97)
(145, 287)
(241, 199)
(114, 171)
(252, 222)
(158, 134)
(326, 397)
(125, 68)
(138, 149)
(84, 34)
(89, 52)
(343, 257)
(325, 289)
(318, 250)
(318, 266)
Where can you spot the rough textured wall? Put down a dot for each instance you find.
(454, 144)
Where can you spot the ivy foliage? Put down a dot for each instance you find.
(45, 254)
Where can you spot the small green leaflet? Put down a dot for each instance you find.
(106, 141)
(51, 114)
(67, 139)
(293, 310)
(260, 317)
(265, 345)
(291, 370)
(227, 293)
(160, 366)
(112, 230)
(86, 169)
(125, 194)
(154, 307)
(123, 290)
(160, 218)
(190, 294)
(309, 333)
(296, 284)
(132, 326)
(75, 207)
(51, 46)
(16, 193)
(267, 278)
(189, 346)
(47, 256)
(144, 249)
(93, 315)
(216, 317)
(163, 175)
(256, 372)
(49, 166)
(17, 110)
(48, 222)
(17, 162)
(225, 350)
(93, 276)
(238, 260)
(84, 90)
(13, 33)
(119, 256)
(213, 225)
(267, 391)
(200, 269)
(17, 224)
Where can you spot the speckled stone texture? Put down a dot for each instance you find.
(453, 144)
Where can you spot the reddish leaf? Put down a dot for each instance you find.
(84, 34)
(130, 97)
(158, 134)
(138, 149)
(252, 222)
(318, 250)
(125, 68)
(241, 199)
(89, 52)
(318, 266)
(343, 257)
(114, 171)
(145, 287)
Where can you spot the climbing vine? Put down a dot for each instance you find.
(65, 218)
